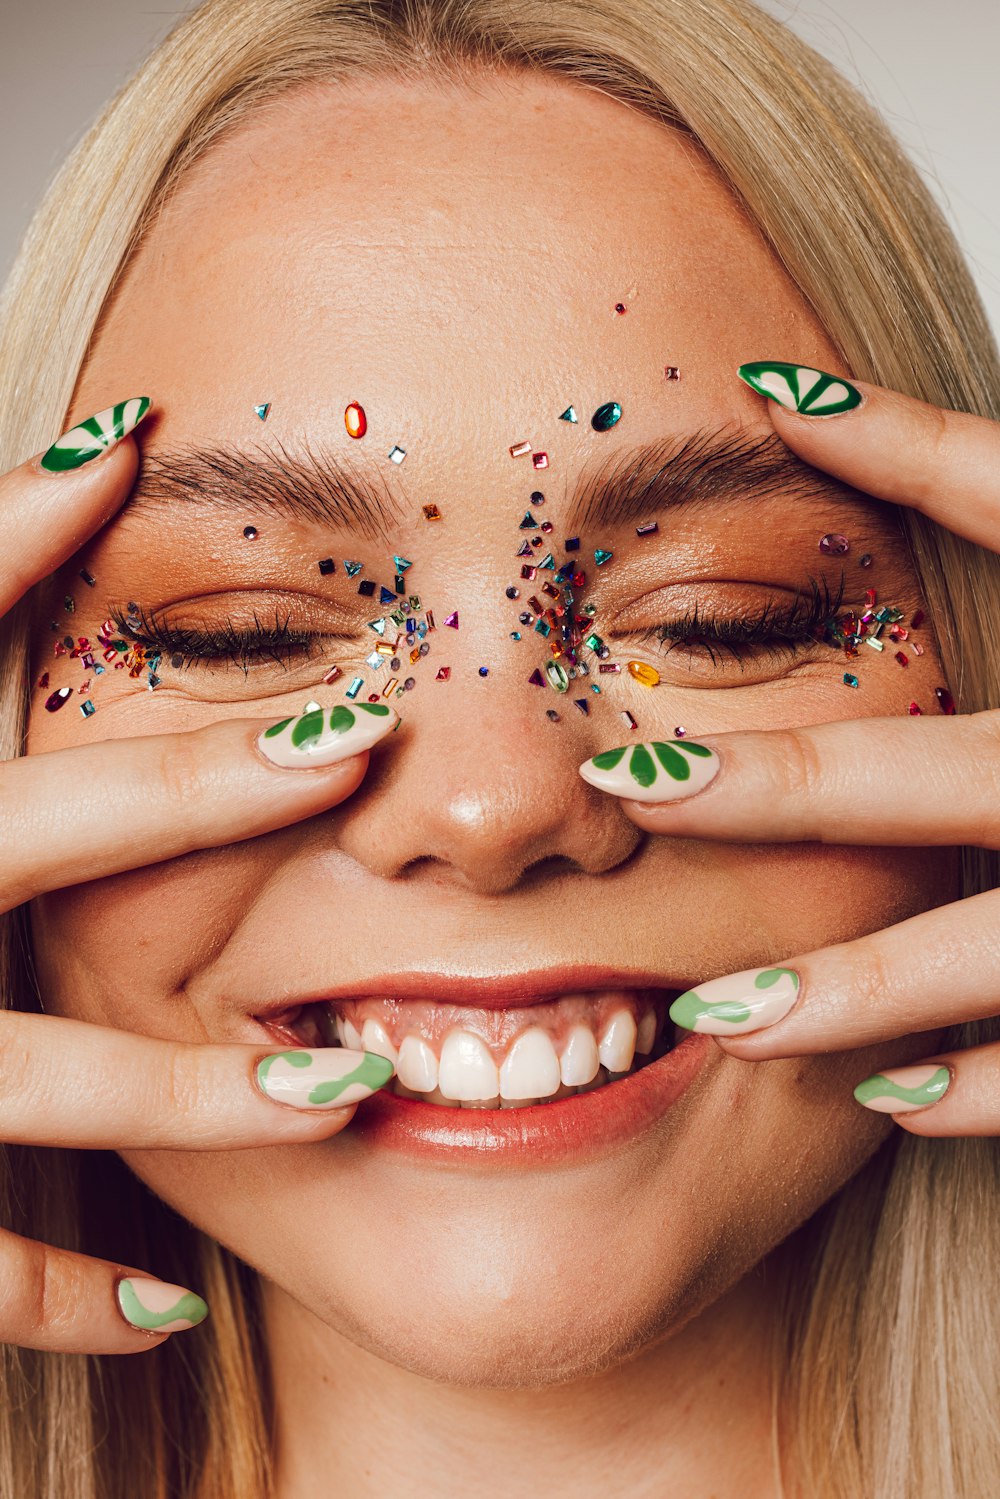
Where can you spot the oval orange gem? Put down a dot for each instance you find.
(355, 420)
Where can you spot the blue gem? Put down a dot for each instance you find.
(355, 687)
(402, 564)
(569, 415)
(582, 704)
(572, 544)
(386, 596)
(263, 410)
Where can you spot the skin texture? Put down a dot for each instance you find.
(432, 253)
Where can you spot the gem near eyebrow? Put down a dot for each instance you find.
(620, 308)
(353, 568)
(612, 666)
(540, 460)
(536, 679)
(397, 454)
(917, 620)
(850, 679)
(355, 420)
(513, 593)
(326, 564)
(834, 546)
(520, 449)
(572, 544)
(606, 416)
(484, 671)
(88, 578)
(378, 625)
(250, 532)
(401, 564)
(263, 410)
(431, 512)
(569, 415)
(374, 661)
(902, 658)
(865, 560)
(536, 497)
(386, 596)
(671, 372)
(649, 529)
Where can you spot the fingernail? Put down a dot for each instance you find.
(652, 772)
(737, 1003)
(155, 1306)
(319, 1079)
(94, 436)
(322, 736)
(799, 388)
(900, 1090)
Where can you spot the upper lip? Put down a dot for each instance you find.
(487, 992)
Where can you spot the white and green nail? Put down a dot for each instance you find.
(652, 772)
(737, 1003)
(331, 1078)
(155, 1306)
(900, 1090)
(799, 388)
(94, 436)
(324, 735)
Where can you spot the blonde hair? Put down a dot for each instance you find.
(885, 1364)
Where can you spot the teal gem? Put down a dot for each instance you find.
(529, 523)
(543, 627)
(378, 625)
(515, 634)
(353, 568)
(850, 679)
(263, 410)
(606, 416)
(401, 564)
(355, 687)
(601, 556)
(569, 415)
(548, 562)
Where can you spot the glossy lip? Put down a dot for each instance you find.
(574, 1130)
(489, 992)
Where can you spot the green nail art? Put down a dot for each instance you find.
(335, 1073)
(724, 1004)
(797, 387)
(187, 1307)
(94, 436)
(882, 1085)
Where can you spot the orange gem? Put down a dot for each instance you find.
(355, 420)
(644, 673)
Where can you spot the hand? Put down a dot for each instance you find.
(934, 782)
(67, 1083)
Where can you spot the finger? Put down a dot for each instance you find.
(50, 504)
(939, 968)
(946, 464)
(69, 1083)
(953, 1093)
(920, 782)
(69, 1303)
(79, 814)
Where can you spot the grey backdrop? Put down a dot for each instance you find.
(932, 69)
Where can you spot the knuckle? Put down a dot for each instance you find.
(800, 766)
(181, 769)
(191, 1092)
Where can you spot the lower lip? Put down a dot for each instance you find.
(580, 1128)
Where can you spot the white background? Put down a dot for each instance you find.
(933, 69)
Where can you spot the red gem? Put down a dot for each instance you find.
(903, 660)
(872, 597)
(917, 620)
(355, 420)
(945, 700)
(914, 709)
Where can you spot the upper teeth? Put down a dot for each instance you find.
(535, 1065)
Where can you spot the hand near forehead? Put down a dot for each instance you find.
(934, 782)
(67, 1083)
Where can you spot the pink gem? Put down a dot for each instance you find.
(452, 619)
(520, 449)
(540, 460)
(914, 709)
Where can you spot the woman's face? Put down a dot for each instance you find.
(451, 259)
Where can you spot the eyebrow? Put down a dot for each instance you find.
(632, 484)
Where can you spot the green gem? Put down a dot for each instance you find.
(606, 416)
(557, 676)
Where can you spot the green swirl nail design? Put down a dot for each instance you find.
(155, 1306)
(94, 436)
(652, 772)
(317, 1079)
(799, 388)
(323, 736)
(903, 1089)
(737, 1003)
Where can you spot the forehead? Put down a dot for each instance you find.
(452, 253)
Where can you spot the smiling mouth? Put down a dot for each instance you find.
(459, 1056)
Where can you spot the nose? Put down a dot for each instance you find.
(485, 796)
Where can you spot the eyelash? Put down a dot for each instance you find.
(773, 630)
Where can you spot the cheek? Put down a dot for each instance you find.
(122, 951)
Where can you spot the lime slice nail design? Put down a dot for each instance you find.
(322, 736)
(94, 436)
(652, 772)
(800, 388)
